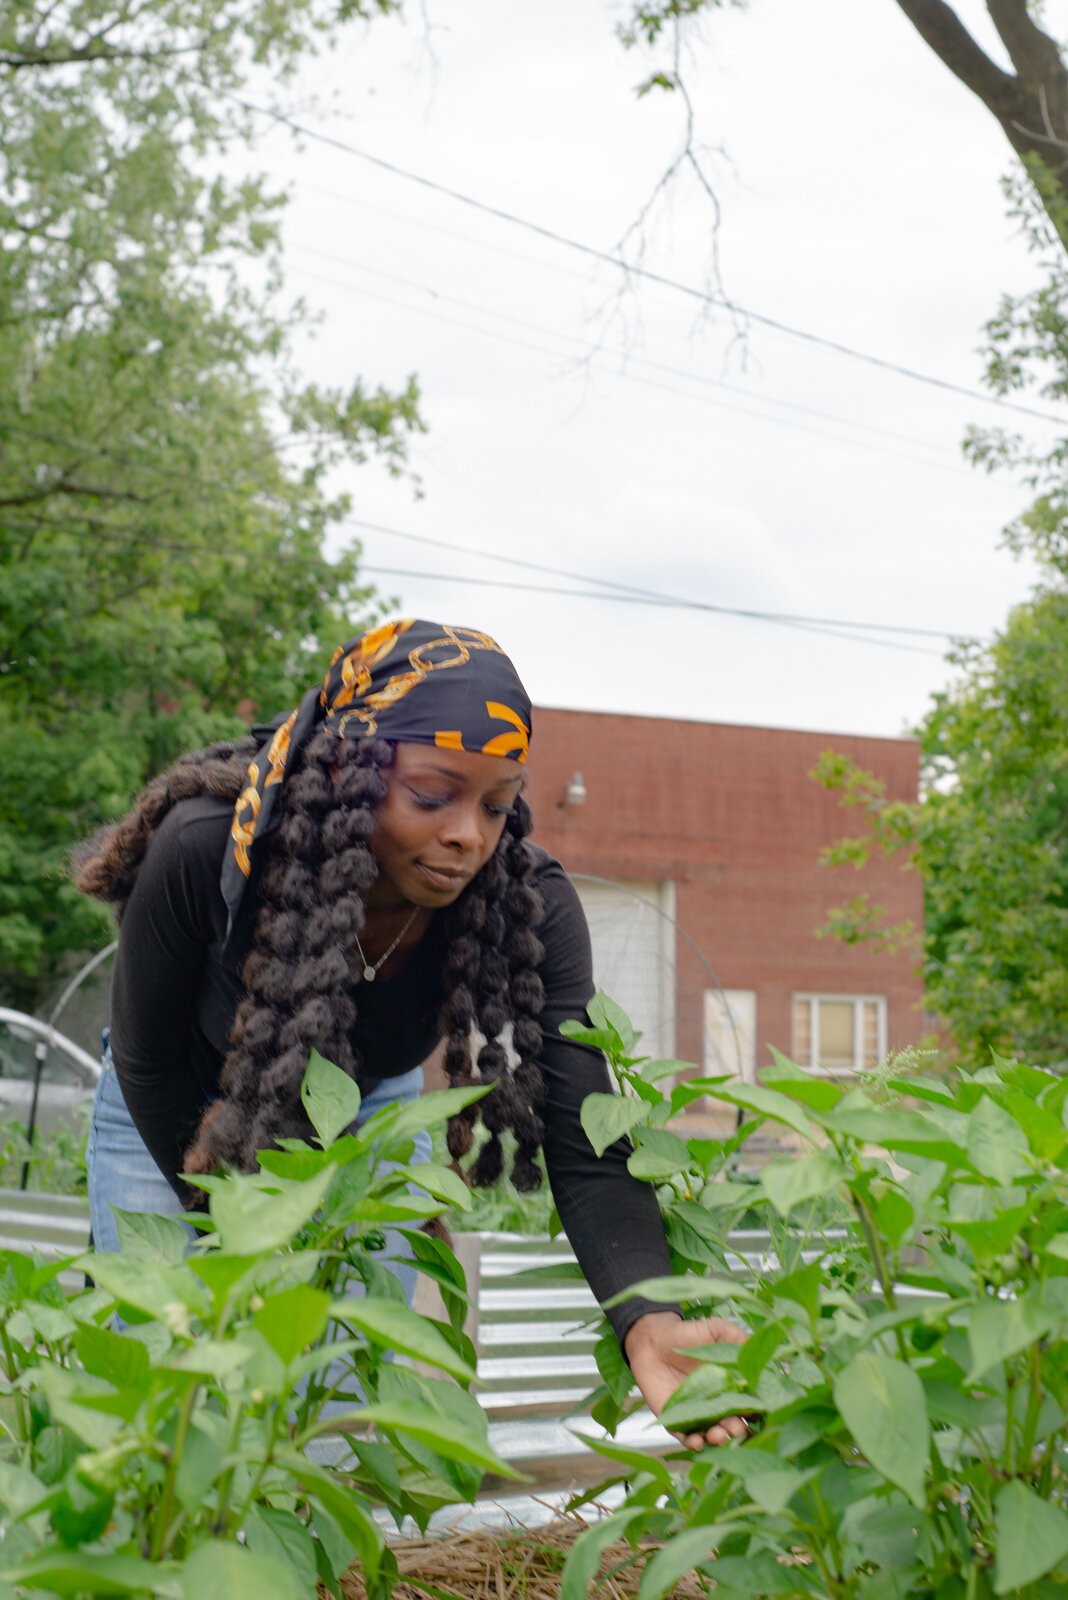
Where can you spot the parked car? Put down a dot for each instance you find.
(67, 1079)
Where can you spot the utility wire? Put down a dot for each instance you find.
(783, 620)
(593, 348)
(635, 591)
(614, 588)
(705, 296)
(633, 377)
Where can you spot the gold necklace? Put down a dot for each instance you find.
(370, 970)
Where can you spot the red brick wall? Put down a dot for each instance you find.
(730, 814)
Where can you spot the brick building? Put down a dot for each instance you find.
(695, 847)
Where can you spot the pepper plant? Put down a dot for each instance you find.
(160, 1429)
(905, 1377)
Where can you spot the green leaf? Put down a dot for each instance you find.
(802, 1287)
(83, 1571)
(695, 1235)
(653, 1071)
(607, 1117)
(395, 1327)
(685, 1412)
(791, 1180)
(993, 1236)
(999, 1329)
(637, 1461)
(146, 1236)
(279, 1536)
(1031, 1535)
(253, 1219)
(584, 1560)
(221, 1570)
(330, 1097)
(767, 1103)
(605, 1013)
(894, 1216)
(659, 1155)
(433, 1430)
(723, 1194)
(112, 1356)
(615, 1373)
(997, 1145)
(292, 1319)
(767, 1481)
(603, 1039)
(348, 1510)
(443, 1184)
(199, 1466)
(19, 1489)
(883, 1404)
(757, 1351)
(693, 1402)
(148, 1286)
(679, 1556)
(396, 1123)
(687, 1287)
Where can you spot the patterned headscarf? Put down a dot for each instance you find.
(415, 681)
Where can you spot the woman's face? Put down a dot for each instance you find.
(440, 822)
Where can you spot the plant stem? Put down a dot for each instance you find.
(1010, 1426)
(160, 1541)
(874, 1243)
(20, 1398)
(1034, 1407)
(223, 1509)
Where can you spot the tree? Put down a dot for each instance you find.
(163, 500)
(990, 837)
(1030, 103)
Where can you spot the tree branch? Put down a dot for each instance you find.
(64, 58)
(939, 26)
(1032, 107)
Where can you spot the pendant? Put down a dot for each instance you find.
(368, 974)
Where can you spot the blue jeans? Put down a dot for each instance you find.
(122, 1173)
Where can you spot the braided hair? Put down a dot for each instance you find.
(302, 973)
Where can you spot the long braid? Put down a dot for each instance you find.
(106, 865)
(494, 976)
(302, 967)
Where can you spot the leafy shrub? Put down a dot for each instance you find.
(170, 1458)
(906, 1374)
(54, 1162)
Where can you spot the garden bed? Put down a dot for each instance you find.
(509, 1564)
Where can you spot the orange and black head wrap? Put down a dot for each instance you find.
(412, 681)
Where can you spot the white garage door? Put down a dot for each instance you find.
(632, 928)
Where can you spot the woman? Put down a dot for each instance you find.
(357, 880)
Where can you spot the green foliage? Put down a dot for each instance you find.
(54, 1162)
(168, 1456)
(988, 838)
(163, 500)
(905, 1378)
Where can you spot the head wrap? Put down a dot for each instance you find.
(414, 681)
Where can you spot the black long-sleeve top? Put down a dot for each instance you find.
(175, 993)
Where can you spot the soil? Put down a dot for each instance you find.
(510, 1564)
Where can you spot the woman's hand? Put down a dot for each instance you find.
(652, 1346)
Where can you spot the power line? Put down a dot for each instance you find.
(633, 377)
(690, 290)
(614, 588)
(627, 590)
(594, 349)
(808, 625)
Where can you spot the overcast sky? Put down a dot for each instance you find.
(618, 435)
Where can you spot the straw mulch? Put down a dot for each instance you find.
(509, 1564)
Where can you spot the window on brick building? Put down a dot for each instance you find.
(839, 1032)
